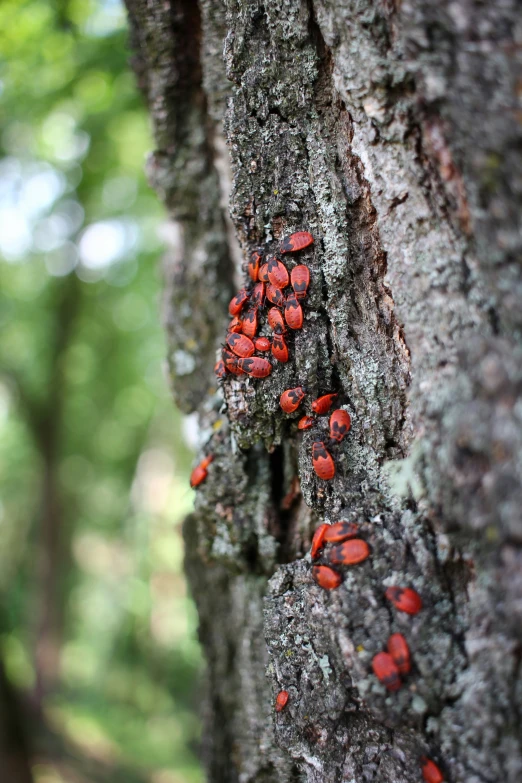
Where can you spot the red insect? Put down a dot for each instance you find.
(276, 319)
(322, 461)
(255, 367)
(293, 312)
(236, 304)
(231, 362)
(235, 324)
(262, 344)
(305, 423)
(279, 347)
(249, 325)
(200, 472)
(400, 652)
(323, 404)
(430, 771)
(386, 671)
(349, 553)
(258, 295)
(405, 599)
(281, 700)
(297, 241)
(341, 531)
(241, 345)
(220, 369)
(253, 265)
(277, 273)
(292, 494)
(291, 399)
(340, 423)
(326, 577)
(275, 295)
(318, 541)
(300, 279)
(263, 273)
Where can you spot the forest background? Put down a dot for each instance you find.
(97, 634)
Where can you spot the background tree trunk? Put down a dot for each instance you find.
(14, 755)
(391, 131)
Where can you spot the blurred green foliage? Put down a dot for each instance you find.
(90, 444)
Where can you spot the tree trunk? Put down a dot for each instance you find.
(14, 754)
(392, 132)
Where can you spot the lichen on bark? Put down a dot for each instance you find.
(390, 132)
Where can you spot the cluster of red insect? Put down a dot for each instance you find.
(242, 341)
(349, 550)
(339, 546)
(340, 423)
(388, 666)
(269, 281)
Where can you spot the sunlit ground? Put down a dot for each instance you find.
(95, 623)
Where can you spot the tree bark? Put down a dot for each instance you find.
(392, 132)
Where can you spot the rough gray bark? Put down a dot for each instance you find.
(391, 131)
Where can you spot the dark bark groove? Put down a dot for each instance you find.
(391, 132)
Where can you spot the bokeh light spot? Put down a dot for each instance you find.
(102, 243)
